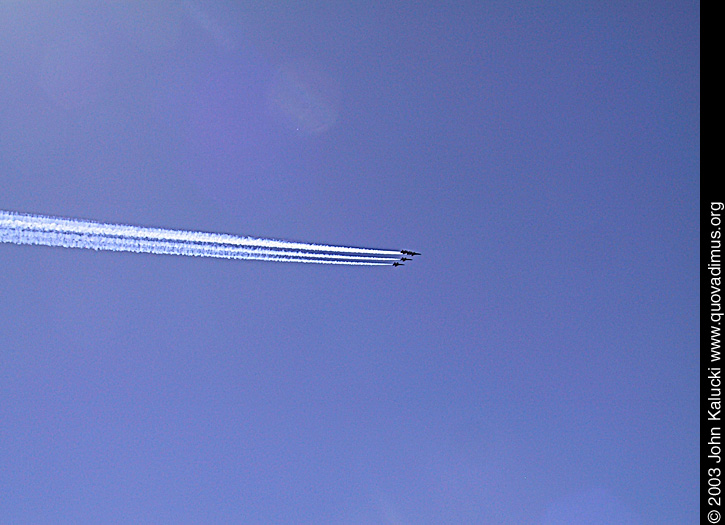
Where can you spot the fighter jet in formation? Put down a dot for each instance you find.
(403, 259)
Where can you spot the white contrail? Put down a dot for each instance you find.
(70, 233)
(84, 226)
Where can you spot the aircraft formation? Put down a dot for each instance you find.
(42, 230)
(405, 252)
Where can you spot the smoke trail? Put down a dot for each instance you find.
(52, 231)
(57, 224)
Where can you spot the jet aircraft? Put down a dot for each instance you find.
(406, 252)
(398, 264)
(406, 259)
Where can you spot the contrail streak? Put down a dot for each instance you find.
(84, 226)
(71, 233)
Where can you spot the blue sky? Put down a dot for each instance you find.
(537, 364)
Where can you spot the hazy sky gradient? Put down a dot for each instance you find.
(537, 364)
